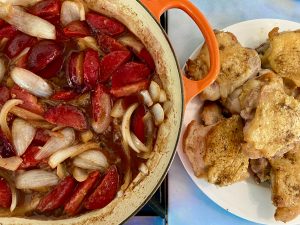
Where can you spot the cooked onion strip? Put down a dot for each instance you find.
(31, 82)
(25, 114)
(22, 135)
(21, 210)
(11, 163)
(85, 164)
(88, 42)
(118, 110)
(138, 144)
(61, 171)
(72, 151)
(71, 11)
(154, 91)
(2, 69)
(21, 2)
(34, 179)
(14, 195)
(143, 169)
(125, 128)
(146, 98)
(128, 173)
(27, 23)
(158, 114)
(24, 52)
(3, 115)
(162, 96)
(80, 174)
(56, 143)
(95, 157)
(148, 121)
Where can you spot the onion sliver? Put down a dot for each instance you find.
(31, 82)
(139, 145)
(88, 42)
(96, 157)
(125, 128)
(27, 23)
(22, 135)
(56, 143)
(128, 172)
(34, 179)
(158, 114)
(2, 69)
(25, 114)
(131, 41)
(146, 98)
(80, 174)
(143, 169)
(72, 151)
(85, 164)
(3, 115)
(11, 163)
(61, 171)
(71, 11)
(162, 96)
(24, 52)
(14, 195)
(154, 91)
(21, 2)
(118, 109)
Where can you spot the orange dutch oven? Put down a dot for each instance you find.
(141, 17)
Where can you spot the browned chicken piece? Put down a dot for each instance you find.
(275, 128)
(211, 113)
(285, 183)
(261, 169)
(283, 54)
(224, 159)
(238, 64)
(194, 146)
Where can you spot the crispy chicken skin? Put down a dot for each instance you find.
(211, 113)
(225, 161)
(285, 183)
(238, 64)
(283, 54)
(275, 128)
(194, 146)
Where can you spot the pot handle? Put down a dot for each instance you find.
(191, 88)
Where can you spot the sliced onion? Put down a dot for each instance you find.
(88, 42)
(56, 143)
(25, 114)
(63, 154)
(143, 169)
(128, 172)
(167, 107)
(14, 195)
(131, 41)
(34, 179)
(2, 69)
(146, 98)
(96, 157)
(138, 144)
(87, 136)
(149, 124)
(125, 128)
(118, 109)
(22, 135)
(162, 96)
(3, 115)
(154, 91)
(27, 23)
(61, 171)
(85, 164)
(71, 11)
(24, 52)
(31, 82)
(3, 42)
(158, 114)
(11, 163)
(21, 2)
(80, 174)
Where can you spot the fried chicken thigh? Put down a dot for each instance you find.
(283, 54)
(238, 64)
(275, 128)
(285, 183)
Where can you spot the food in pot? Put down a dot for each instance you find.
(80, 104)
(253, 126)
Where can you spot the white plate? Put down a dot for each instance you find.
(245, 199)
